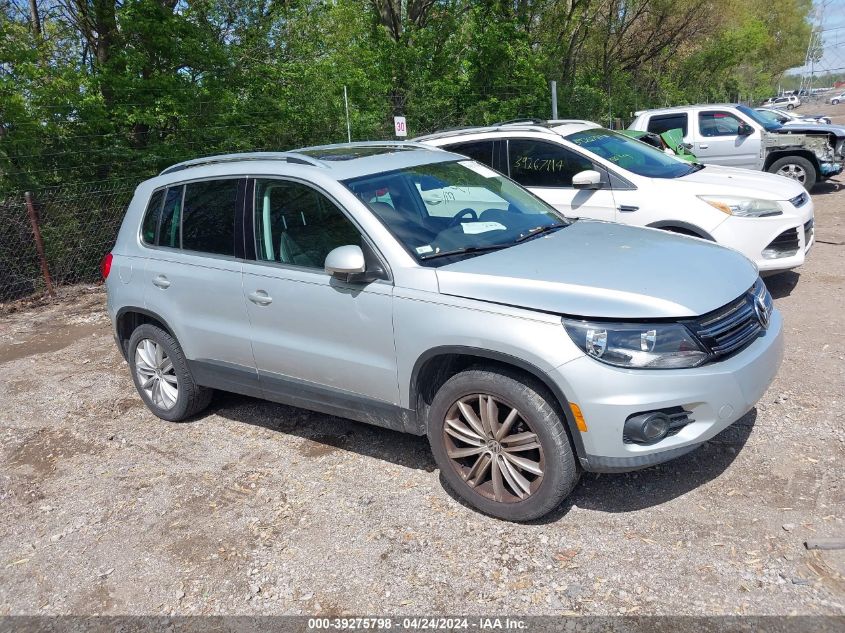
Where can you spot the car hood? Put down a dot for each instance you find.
(812, 128)
(806, 118)
(598, 269)
(718, 180)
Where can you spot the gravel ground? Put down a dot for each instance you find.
(258, 508)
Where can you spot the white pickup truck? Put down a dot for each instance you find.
(737, 136)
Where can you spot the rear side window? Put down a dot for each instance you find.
(208, 216)
(171, 217)
(151, 217)
(542, 164)
(660, 123)
(482, 151)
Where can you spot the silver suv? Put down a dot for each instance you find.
(343, 279)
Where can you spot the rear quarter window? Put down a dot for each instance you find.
(482, 151)
(171, 217)
(149, 228)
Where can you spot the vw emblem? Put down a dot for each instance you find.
(761, 312)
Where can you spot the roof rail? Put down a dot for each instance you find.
(409, 143)
(552, 122)
(525, 120)
(508, 127)
(288, 157)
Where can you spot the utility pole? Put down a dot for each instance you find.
(348, 127)
(553, 85)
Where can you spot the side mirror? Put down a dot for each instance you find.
(745, 130)
(587, 179)
(346, 263)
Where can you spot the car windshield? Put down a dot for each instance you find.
(769, 126)
(768, 116)
(443, 212)
(631, 154)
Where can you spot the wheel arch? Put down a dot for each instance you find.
(668, 225)
(128, 319)
(435, 366)
(803, 153)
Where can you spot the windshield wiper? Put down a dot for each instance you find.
(539, 230)
(467, 250)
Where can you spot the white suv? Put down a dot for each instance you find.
(790, 102)
(587, 171)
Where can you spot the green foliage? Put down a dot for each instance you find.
(118, 90)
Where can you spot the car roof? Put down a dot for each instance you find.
(685, 108)
(557, 127)
(340, 161)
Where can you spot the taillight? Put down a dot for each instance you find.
(105, 266)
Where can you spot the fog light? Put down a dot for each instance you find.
(647, 428)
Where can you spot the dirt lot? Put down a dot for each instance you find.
(257, 508)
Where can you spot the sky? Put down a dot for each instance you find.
(830, 17)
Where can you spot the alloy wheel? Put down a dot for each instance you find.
(156, 374)
(796, 172)
(493, 448)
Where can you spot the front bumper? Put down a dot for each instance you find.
(716, 395)
(752, 236)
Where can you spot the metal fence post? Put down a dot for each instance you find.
(39, 243)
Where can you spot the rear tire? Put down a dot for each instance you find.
(524, 474)
(162, 377)
(797, 168)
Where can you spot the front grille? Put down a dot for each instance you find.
(809, 227)
(783, 245)
(732, 327)
(800, 200)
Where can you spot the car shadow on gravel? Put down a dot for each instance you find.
(782, 284)
(624, 492)
(827, 187)
(325, 434)
(638, 490)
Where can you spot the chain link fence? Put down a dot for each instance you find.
(77, 226)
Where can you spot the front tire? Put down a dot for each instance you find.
(835, 102)
(162, 377)
(501, 444)
(797, 168)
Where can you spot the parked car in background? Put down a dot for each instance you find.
(837, 98)
(785, 117)
(790, 102)
(587, 171)
(738, 136)
(527, 348)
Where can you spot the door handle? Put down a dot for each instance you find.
(261, 298)
(703, 146)
(628, 208)
(161, 281)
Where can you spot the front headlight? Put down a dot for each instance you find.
(744, 207)
(637, 345)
